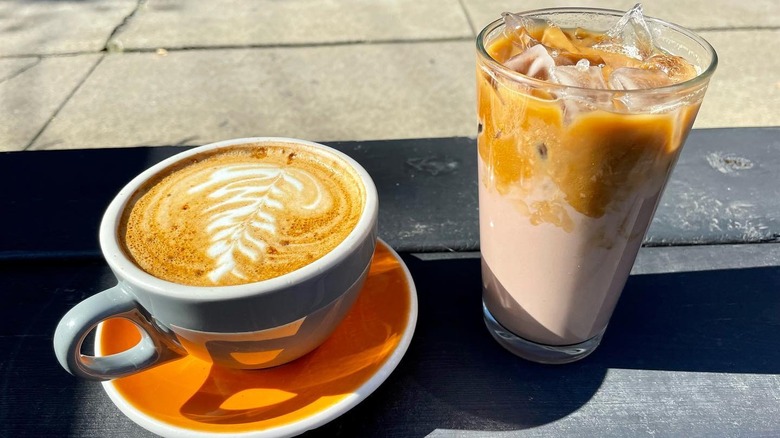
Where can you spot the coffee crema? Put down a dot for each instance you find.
(242, 214)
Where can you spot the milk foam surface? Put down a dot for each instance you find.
(242, 214)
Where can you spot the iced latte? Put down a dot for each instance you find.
(582, 115)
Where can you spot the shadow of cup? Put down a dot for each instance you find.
(204, 396)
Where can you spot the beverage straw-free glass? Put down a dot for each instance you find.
(569, 179)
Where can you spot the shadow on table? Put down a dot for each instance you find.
(37, 397)
(455, 376)
(722, 321)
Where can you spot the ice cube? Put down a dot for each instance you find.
(581, 75)
(676, 68)
(628, 78)
(575, 103)
(630, 36)
(586, 77)
(535, 62)
(516, 30)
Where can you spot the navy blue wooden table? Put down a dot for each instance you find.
(693, 348)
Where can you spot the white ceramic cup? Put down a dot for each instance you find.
(254, 325)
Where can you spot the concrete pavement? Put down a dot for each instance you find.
(114, 73)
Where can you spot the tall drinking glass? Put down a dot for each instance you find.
(573, 158)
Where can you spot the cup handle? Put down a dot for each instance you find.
(154, 348)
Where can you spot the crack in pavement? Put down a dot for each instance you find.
(469, 20)
(64, 102)
(113, 45)
(21, 70)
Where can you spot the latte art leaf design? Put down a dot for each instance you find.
(242, 214)
(251, 197)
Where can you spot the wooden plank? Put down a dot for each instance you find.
(691, 351)
(660, 260)
(62, 194)
(724, 190)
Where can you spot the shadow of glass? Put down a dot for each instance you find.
(722, 321)
(456, 377)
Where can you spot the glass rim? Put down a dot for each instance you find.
(693, 82)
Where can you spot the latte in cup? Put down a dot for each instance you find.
(241, 214)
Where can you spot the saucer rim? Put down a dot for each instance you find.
(305, 424)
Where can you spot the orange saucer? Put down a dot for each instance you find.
(190, 397)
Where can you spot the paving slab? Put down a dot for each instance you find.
(745, 90)
(31, 91)
(49, 27)
(354, 92)
(693, 14)
(219, 23)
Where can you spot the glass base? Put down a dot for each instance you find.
(546, 354)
